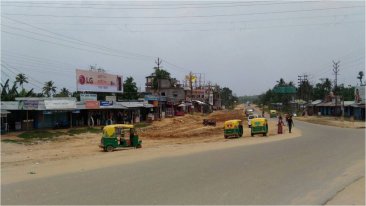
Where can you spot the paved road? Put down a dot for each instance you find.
(305, 170)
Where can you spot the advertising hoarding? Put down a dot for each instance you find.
(94, 81)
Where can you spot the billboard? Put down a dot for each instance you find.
(94, 81)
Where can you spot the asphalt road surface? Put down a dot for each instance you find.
(309, 169)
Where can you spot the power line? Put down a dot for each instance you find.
(85, 43)
(170, 17)
(75, 6)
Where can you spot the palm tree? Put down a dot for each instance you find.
(360, 75)
(49, 88)
(64, 92)
(21, 79)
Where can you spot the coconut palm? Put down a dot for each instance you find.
(360, 75)
(21, 79)
(49, 89)
(64, 93)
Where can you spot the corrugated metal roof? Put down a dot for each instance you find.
(315, 102)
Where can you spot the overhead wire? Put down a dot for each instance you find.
(175, 17)
(154, 7)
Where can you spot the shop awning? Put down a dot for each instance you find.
(4, 113)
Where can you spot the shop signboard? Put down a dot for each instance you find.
(91, 104)
(106, 103)
(85, 97)
(10, 105)
(28, 104)
(60, 104)
(285, 90)
(151, 98)
(95, 81)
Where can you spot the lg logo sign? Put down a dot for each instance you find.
(85, 80)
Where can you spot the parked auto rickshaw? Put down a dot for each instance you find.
(259, 126)
(272, 113)
(118, 136)
(233, 128)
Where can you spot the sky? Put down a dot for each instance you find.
(246, 46)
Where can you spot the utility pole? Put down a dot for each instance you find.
(336, 70)
(300, 82)
(158, 62)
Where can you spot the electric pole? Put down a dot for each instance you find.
(336, 70)
(158, 62)
(300, 87)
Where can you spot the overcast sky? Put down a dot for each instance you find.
(244, 45)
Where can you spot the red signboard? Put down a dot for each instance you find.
(91, 104)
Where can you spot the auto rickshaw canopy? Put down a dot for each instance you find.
(230, 124)
(259, 122)
(273, 111)
(109, 130)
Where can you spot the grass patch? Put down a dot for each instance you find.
(72, 132)
(11, 141)
(46, 134)
(40, 134)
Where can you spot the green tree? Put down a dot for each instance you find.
(64, 93)
(49, 89)
(159, 74)
(9, 93)
(227, 98)
(360, 76)
(21, 79)
(305, 91)
(130, 89)
(322, 88)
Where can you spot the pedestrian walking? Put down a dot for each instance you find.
(280, 125)
(290, 123)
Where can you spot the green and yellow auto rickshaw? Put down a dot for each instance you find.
(272, 113)
(118, 136)
(233, 128)
(259, 126)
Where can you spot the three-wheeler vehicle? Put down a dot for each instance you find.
(233, 128)
(119, 136)
(272, 113)
(259, 126)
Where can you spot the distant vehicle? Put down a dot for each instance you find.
(249, 111)
(250, 117)
(272, 113)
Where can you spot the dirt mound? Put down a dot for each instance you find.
(189, 126)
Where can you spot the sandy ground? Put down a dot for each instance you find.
(332, 121)
(353, 194)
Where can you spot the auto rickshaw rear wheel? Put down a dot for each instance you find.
(109, 148)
